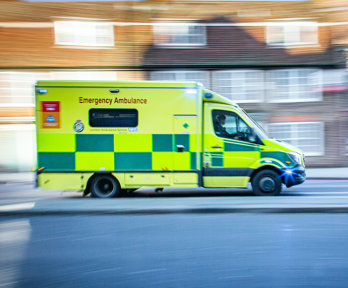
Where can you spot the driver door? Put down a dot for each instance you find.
(230, 151)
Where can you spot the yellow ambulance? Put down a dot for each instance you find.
(106, 138)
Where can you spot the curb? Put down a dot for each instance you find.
(270, 210)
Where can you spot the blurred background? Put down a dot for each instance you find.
(284, 62)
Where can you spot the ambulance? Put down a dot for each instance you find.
(108, 138)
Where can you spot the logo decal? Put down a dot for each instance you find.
(50, 118)
(79, 126)
(50, 114)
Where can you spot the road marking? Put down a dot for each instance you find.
(16, 207)
(147, 271)
(235, 276)
(103, 270)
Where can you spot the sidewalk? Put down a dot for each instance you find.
(312, 173)
(17, 177)
(327, 173)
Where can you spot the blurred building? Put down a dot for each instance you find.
(284, 62)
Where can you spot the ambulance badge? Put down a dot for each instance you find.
(79, 126)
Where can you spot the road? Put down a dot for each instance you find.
(189, 250)
(175, 250)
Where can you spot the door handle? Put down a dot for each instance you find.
(180, 148)
(216, 147)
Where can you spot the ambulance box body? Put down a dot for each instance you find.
(106, 138)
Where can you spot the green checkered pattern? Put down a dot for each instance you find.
(116, 152)
(231, 151)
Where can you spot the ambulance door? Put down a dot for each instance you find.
(185, 146)
(229, 150)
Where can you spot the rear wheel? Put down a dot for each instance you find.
(266, 183)
(105, 186)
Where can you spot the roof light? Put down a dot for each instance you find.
(208, 95)
(41, 91)
(191, 91)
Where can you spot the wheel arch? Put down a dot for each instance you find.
(266, 167)
(96, 174)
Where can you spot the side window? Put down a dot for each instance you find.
(242, 126)
(229, 125)
(231, 122)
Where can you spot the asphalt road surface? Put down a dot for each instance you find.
(190, 250)
(175, 250)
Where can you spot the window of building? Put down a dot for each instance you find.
(179, 34)
(290, 33)
(199, 76)
(307, 136)
(17, 88)
(113, 117)
(240, 86)
(334, 80)
(84, 75)
(295, 85)
(335, 77)
(84, 33)
(17, 147)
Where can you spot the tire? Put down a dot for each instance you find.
(105, 186)
(266, 183)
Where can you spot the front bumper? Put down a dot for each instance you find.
(293, 176)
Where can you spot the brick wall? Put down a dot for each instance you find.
(30, 41)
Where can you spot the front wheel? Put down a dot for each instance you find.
(105, 186)
(266, 183)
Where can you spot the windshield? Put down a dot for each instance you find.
(258, 129)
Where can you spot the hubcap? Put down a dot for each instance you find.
(105, 186)
(267, 184)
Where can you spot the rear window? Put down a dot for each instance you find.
(113, 117)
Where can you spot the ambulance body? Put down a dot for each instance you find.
(106, 138)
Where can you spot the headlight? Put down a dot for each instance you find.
(296, 157)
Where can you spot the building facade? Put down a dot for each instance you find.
(284, 62)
